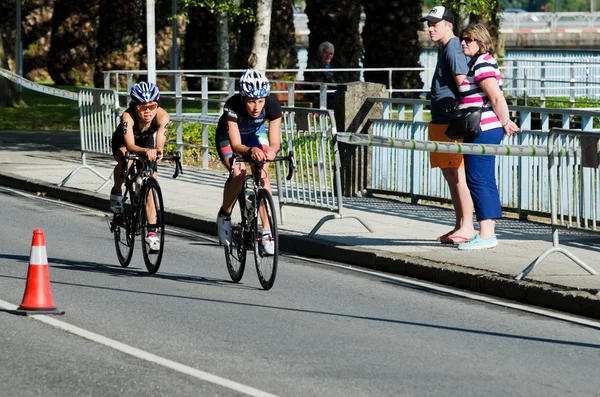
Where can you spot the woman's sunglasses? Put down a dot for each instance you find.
(150, 106)
(467, 39)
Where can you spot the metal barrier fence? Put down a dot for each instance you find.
(522, 180)
(307, 132)
(573, 186)
(316, 182)
(98, 119)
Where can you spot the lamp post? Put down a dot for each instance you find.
(150, 41)
(19, 45)
(174, 47)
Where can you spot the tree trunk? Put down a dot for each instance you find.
(223, 46)
(9, 95)
(282, 43)
(200, 44)
(386, 21)
(73, 41)
(120, 36)
(261, 33)
(240, 33)
(336, 22)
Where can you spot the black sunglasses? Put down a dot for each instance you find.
(468, 39)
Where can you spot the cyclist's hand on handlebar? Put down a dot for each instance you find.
(159, 154)
(151, 154)
(257, 155)
(270, 154)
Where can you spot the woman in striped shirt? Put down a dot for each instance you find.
(483, 88)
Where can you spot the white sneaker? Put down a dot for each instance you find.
(153, 241)
(116, 203)
(268, 244)
(224, 228)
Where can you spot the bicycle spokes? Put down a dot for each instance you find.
(153, 225)
(124, 238)
(235, 253)
(266, 244)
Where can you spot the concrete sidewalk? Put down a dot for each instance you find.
(403, 241)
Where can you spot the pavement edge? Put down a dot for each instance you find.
(569, 300)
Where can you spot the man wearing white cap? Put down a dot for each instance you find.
(450, 71)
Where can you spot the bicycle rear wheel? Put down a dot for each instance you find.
(152, 198)
(266, 264)
(124, 236)
(235, 253)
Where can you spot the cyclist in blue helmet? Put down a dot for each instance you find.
(241, 129)
(143, 131)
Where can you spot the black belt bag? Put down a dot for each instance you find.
(464, 123)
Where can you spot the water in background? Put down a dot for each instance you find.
(588, 76)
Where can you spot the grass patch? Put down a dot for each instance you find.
(41, 112)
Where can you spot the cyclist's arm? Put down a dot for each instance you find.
(274, 138)
(163, 120)
(127, 122)
(236, 140)
(236, 144)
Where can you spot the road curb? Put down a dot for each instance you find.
(570, 300)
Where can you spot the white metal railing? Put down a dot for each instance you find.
(308, 133)
(572, 177)
(98, 119)
(521, 180)
(572, 77)
(549, 21)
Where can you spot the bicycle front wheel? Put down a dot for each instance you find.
(124, 236)
(153, 225)
(266, 246)
(235, 253)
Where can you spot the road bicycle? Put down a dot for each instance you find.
(254, 208)
(145, 201)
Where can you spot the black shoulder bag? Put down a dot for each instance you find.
(464, 123)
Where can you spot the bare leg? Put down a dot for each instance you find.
(150, 208)
(462, 202)
(487, 228)
(262, 210)
(233, 187)
(118, 173)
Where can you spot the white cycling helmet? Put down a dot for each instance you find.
(254, 85)
(144, 92)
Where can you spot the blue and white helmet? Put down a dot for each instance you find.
(254, 85)
(144, 92)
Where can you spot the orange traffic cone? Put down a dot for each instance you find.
(37, 298)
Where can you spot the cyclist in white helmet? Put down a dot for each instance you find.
(143, 131)
(241, 130)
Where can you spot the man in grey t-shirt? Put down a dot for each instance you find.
(450, 72)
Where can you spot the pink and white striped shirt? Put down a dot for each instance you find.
(471, 95)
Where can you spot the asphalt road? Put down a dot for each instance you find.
(321, 331)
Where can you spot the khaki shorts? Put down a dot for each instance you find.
(443, 160)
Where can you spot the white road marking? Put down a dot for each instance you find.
(144, 355)
(463, 294)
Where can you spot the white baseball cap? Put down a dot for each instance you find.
(438, 14)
